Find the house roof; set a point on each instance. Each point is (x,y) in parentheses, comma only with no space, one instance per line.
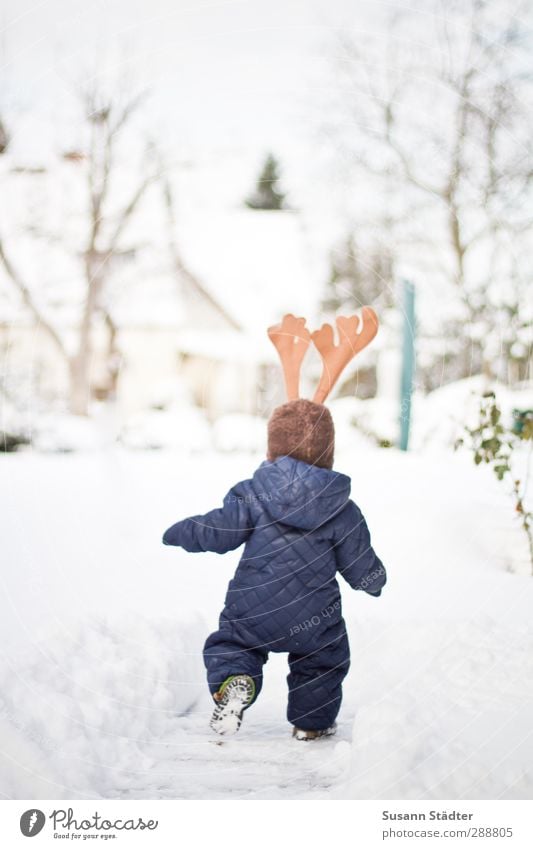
(257,264)
(237,270)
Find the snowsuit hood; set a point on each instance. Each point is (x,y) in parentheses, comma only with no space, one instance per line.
(299,495)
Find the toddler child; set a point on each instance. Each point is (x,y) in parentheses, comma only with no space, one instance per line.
(300,529)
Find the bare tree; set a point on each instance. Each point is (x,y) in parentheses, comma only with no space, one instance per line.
(107,120)
(440,120)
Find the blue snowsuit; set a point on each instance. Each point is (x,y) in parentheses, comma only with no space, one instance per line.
(300,528)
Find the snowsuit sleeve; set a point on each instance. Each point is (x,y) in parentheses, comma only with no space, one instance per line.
(219,530)
(357,561)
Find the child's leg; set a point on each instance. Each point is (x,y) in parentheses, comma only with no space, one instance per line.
(315,684)
(227,652)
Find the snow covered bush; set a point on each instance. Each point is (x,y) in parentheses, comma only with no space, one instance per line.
(178,427)
(502,448)
(63,433)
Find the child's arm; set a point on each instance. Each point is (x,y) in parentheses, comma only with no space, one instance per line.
(219,530)
(357,561)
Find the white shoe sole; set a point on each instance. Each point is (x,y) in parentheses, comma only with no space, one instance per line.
(236,696)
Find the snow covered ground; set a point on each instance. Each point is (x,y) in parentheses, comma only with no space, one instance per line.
(101,629)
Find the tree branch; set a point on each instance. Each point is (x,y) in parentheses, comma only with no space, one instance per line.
(27,298)
(128,211)
(179,265)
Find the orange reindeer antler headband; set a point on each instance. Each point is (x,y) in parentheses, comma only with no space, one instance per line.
(291,339)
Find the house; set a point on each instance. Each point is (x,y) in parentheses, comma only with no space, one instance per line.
(182,316)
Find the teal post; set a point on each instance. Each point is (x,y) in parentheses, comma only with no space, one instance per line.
(408,362)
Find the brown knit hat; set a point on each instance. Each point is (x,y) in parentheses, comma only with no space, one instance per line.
(303,430)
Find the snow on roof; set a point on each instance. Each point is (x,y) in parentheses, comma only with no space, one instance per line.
(257,264)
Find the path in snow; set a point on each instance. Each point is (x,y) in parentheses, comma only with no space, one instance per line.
(261,762)
(101,627)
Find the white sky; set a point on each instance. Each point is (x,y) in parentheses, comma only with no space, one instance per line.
(229,80)
(239,73)
(243,74)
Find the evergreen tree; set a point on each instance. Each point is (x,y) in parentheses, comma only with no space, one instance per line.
(267,194)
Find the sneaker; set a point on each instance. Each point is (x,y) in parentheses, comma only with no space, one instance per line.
(301,734)
(234,695)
